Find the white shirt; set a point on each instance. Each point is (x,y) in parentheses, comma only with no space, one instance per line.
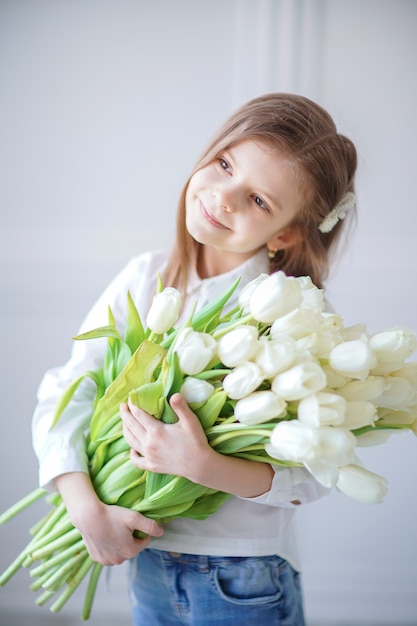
(242,526)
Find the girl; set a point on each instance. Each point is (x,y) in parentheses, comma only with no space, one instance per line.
(270,192)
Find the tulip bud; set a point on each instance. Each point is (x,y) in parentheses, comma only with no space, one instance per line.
(195,390)
(247,291)
(297,323)
(299,381)
(409,372)
(259,407)
(359,414)
(275,356)
(322,409)
(398,394)
(405,419)
(242,381)
(391,348)
(164,310)
(352,358)
(373,438)
(195,350)
(238,345)
(275,296)
(312,296)
(361,484)
(364,390)
(293,441)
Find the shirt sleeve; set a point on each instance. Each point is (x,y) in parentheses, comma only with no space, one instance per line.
(291,485)
(61,448)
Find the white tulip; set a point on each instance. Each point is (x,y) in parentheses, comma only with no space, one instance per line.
(247,291)
(243,380)
(274,356)
(293,441)
(361,484)
(398,394)
(321,450)
(334,380)
(195,350)
(357,331)
(319,344)
(195,390)
(275,296)
(391,348)
(373,438)
(365,390)
(299,381)
(395,418)
(238,345)
(352,358)
(259,407)
(164,310)
(312,296)
(359,414)
(322,409)
(336,446)
(409,372)
(297,323)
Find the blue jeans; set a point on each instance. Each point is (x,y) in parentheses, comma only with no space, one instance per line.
(167,588)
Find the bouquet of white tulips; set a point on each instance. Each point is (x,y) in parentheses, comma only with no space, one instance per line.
(276,380)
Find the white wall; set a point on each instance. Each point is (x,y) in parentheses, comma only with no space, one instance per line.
(105,106)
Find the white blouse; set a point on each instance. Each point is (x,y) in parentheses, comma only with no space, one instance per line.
(242,526)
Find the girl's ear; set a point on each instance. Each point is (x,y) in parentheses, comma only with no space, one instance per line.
(285,238)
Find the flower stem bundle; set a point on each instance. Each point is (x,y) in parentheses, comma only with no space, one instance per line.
(276,380)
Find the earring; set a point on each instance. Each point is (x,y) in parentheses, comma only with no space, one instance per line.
(272,253)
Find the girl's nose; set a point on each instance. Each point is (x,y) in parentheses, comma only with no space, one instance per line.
(224,198)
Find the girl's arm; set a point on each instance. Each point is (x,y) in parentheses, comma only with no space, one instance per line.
(107,530)
(182,449)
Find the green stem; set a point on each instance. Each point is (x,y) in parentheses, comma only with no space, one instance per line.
(207,374)
(61,574)
(13,568)
(62,555)
(369,429)
(73,584)
(91,590)
(22,504)
(56,544)
(44,597)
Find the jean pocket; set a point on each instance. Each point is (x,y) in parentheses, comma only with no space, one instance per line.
(250,581)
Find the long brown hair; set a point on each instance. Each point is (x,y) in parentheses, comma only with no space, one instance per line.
(325,163)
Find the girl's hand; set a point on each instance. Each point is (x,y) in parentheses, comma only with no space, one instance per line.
(165,448)
(107,530)
(182,449)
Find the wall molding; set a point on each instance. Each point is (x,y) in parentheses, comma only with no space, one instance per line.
(278,46)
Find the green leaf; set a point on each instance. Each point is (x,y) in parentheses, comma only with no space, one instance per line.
(138,370)
(135,333)
(99,333)
(148,397)
(69,392)
(210,411)
(212,310)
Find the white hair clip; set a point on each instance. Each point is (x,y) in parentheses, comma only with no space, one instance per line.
(338,213)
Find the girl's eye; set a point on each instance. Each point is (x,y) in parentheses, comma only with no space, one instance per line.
(261,204)
(224,164)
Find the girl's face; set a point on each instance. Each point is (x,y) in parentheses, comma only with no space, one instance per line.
(239,202)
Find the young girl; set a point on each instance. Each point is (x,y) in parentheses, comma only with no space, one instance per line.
(270,192)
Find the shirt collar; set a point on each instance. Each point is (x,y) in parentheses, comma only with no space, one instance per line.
(247,271)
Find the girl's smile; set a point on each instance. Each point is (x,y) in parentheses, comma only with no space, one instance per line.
(239,202)
(210,218)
